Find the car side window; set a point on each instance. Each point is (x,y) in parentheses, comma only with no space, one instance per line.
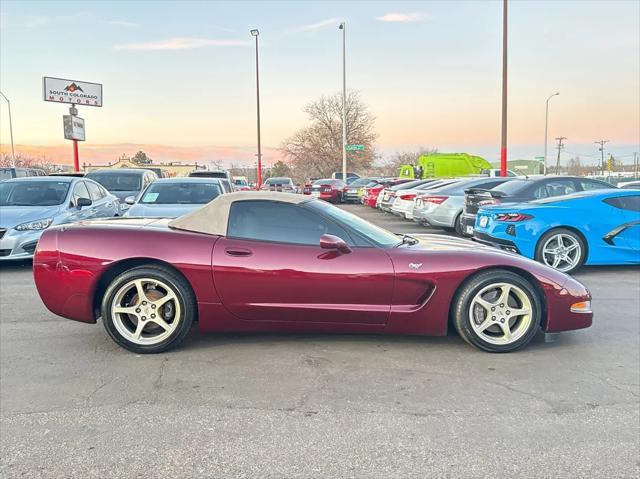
(559,188)
(280,222)
(588,185)
(79,191)
(94,191)
(629,203)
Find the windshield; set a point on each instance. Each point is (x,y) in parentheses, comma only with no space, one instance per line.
(5,174)
(378,235)
(240,182)
(189,193)
(323,182)
(33,193)
(409,184)
(277,181)
(118,181)
(512,186)
(360,182)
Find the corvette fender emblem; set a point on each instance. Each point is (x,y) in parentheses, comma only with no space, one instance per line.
(415,265)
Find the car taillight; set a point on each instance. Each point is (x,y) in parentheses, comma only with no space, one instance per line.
(512,217)
(408,197)
(346,188)
(492,201)
(434,199)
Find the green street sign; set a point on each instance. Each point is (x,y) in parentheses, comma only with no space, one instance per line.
(355,147)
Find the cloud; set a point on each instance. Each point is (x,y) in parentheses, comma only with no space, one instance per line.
(317,25)
(402,17)
(122,23)
(180,44)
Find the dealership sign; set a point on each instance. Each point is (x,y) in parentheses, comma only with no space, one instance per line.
(73,127)
(60,90)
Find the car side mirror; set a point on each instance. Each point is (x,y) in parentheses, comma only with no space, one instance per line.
(130,200)
(82,202)
(334,243)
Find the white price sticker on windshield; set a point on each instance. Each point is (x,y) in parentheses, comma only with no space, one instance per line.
(150,197)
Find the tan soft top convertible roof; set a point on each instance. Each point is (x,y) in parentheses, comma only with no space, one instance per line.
(212,218)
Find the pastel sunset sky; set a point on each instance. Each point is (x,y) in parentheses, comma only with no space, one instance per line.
(179,77)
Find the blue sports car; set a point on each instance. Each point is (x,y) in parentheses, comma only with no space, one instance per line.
(594,227)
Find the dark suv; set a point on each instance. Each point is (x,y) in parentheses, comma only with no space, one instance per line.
(519,190)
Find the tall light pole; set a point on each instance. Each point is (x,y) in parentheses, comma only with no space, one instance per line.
(13,151)
(255,33)
(546,126)
(344,101)
(503,140)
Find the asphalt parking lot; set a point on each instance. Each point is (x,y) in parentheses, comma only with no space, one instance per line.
(73,404)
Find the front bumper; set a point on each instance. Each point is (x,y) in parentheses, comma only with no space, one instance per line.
(17,245)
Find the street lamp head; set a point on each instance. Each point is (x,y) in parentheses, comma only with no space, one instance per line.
(341,26)
(556,93)
(254,32)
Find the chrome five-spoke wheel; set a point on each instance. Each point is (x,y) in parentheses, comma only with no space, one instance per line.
(500,313)
(148,309)
(561,249)
(561,252)
(145,311)
(497,310)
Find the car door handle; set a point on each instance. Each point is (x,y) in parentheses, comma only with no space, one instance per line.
(238,252)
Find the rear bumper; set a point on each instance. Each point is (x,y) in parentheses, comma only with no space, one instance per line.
(467,220)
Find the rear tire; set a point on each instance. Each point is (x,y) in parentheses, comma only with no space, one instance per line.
(497,311)
(563,248)
(148,309)
(457,225)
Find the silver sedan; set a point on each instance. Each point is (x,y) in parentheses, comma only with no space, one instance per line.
(442,207)
(28,206)
(173,197)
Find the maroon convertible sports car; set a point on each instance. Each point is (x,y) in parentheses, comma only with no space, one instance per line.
(251,261)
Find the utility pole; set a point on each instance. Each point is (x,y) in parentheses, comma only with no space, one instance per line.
(503,143)
(601,149)
(560,146)
(343,27)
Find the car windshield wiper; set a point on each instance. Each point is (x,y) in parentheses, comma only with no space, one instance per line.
(406,239)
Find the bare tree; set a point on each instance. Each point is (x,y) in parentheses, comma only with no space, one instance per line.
(27,162)
(316,151)
(574,167)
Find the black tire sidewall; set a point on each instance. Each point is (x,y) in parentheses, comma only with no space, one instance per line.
(462,320)
(185,298)
(555,231)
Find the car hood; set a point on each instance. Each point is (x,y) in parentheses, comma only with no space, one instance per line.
(121,195)
(160,211)
(431,242)
(11,216)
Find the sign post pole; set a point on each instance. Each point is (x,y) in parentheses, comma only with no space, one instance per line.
(76,158)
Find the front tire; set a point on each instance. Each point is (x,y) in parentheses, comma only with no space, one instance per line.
(561,249)
(148,309)
(497,311)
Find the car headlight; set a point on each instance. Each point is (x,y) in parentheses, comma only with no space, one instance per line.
(35,225)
